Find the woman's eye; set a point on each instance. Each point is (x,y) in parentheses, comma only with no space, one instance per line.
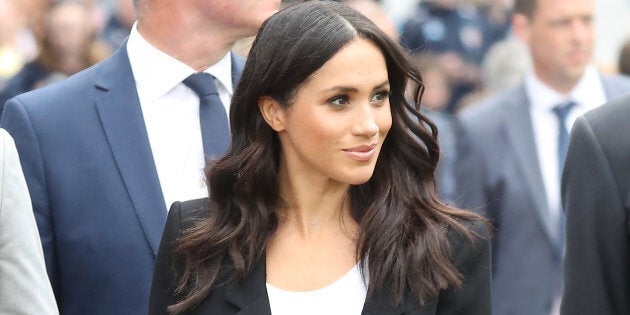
(340,100)
(380,96)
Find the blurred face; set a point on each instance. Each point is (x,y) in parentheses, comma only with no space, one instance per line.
(560,36)
(69,28)
(437,90)
(339,118)
(11,20)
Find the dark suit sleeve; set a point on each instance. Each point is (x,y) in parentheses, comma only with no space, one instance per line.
(16,121)
(473,261)
(596,265)
(164,280)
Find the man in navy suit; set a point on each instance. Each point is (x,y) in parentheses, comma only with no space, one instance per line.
(510,153)
(105,152)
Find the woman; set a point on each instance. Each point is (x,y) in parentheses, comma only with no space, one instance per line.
(24,285)
(326,201)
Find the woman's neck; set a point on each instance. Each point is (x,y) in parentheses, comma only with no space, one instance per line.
(313,206)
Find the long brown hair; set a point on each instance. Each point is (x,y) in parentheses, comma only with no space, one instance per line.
(403,227)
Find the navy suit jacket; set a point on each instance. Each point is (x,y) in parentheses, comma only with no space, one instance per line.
(498,173)
(249,297)
(94,187)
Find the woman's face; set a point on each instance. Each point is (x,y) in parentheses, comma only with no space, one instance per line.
(335,128)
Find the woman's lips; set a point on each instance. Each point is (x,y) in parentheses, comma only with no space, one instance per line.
(361,153)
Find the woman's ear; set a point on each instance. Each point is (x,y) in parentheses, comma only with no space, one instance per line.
(271,112)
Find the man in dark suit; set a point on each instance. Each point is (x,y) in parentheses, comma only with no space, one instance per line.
(511,149)
(105,152)
(596,198)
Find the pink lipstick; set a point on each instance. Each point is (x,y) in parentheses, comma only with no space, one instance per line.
(361,153)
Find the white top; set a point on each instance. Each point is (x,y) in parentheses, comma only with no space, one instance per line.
(587,94)
(171,116)
(345,296)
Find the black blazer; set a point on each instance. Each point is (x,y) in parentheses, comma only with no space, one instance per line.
(250,296)
(596,198)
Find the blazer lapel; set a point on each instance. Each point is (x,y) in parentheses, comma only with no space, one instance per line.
(251,298)
(251,295)
(121,117)
(380,303)
(521,136)
(377,305)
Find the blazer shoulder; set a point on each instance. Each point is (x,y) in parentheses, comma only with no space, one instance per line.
(186,213)
(465,249)
(615,109)
(608,123)
(615,84)
(73,90)
(489,112)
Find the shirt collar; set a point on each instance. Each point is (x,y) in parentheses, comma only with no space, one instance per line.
(588,92)
(222,71)
(156,73)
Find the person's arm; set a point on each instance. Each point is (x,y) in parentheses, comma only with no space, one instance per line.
(596,263)
(473,260)
(16,120)
(24,285)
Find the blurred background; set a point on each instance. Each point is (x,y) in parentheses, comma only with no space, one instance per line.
(465,46)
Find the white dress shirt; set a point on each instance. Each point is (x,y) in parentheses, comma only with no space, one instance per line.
(345,296)
(587,94)
(171,116)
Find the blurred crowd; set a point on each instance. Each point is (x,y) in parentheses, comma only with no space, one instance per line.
(43,41)
(476,60)
(466,47)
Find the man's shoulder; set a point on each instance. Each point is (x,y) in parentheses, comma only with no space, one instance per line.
(66,88)
(69,91)
(616,84)
(492,110)
(612,116)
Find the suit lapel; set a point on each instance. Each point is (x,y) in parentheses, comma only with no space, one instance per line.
(250,296)
(380,303)
(121,118)
(521,136)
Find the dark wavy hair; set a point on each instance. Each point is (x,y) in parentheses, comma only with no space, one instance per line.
(403,235)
